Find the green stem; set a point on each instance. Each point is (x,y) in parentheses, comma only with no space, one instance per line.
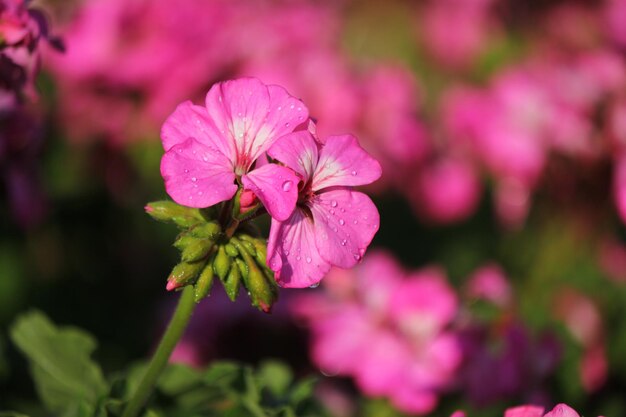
(160,358)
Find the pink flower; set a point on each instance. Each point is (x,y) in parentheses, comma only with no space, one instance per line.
(332,224)
(490,283)
(560,410)
(386,328)
(447,191)
(209,148)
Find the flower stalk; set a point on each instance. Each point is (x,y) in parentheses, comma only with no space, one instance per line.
(175,329)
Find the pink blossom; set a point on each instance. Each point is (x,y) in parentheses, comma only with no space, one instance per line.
(490,283)
(332,224)
(472,23)
(386,328)
(560,410)
(447,191)
(208,148)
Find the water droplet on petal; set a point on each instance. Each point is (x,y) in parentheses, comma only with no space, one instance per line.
(357,257)
(298,258)
(308,260)
(343,242)
(317,284)
(342,222)
(333,203)
(186,171)
(287,185)
(355,222)
(353,173)
(194,179)
(335,229)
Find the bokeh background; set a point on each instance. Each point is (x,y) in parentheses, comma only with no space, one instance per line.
(501,129)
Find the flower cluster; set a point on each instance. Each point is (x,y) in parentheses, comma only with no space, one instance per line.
(560,410)
(253,148)
(387,328)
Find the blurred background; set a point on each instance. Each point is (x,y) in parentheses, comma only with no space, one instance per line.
(501,129)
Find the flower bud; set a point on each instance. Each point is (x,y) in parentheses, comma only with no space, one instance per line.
(168,211)
(222,263)
(204,284)
(231,250)
(232,283)
(260,249)
(208,230)
(261,288)
(196,250)
(183,274)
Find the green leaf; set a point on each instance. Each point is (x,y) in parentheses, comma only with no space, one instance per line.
(178,379)
(67,380)
(275,376)
(11,414)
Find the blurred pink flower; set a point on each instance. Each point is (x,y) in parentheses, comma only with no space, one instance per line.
(386,328)
(331,225)
(207,148)
(135,61)
(560,410)
(615,16)
(447,191)
(473,23)
(491,284)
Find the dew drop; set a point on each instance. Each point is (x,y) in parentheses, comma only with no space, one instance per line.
(194,179)
(287,124)
(333,203)
(317,284)
(298,258)
(287,185)
(355,222)
(186,171)
(200,192)
(292,106)
(286,253)
(343,242)
(335,229)
(342,222)
(357,257)
(308,260)
(353,173)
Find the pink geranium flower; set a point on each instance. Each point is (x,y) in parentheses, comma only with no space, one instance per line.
(210,149)
(387,329)
(332,224)
(561,410)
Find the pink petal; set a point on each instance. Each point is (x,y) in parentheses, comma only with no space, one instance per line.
(524,411)
(253,116)
(238,109)
(191,121)
(561,410)
(298,151)
(343,162)
(292,254)
(414,401)
(196,175)
(345,223)
(285,113)
(276,187)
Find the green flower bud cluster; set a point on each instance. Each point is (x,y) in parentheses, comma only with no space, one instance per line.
(206,252)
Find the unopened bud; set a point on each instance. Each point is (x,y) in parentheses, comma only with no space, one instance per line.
(262,290)
(260,249)
(231,250)
(183,274)
(206,231)
(196,250)
(168,211)
(204,284)
(247,201)
(232,283)
(222,263)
